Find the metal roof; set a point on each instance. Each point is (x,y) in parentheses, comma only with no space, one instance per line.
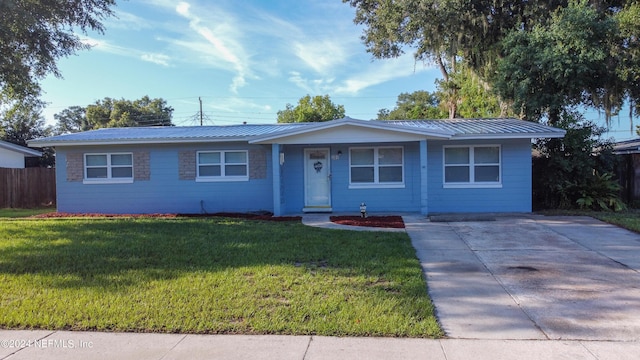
(627,147)
(19,149)
(164,134)
(453,128)
(486,128)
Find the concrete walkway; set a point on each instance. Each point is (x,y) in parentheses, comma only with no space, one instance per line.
(481,317)
(72,345)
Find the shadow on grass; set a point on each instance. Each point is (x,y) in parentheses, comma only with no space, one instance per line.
(123,255)
(93,250)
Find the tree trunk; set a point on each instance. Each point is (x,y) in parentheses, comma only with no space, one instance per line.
(554,116)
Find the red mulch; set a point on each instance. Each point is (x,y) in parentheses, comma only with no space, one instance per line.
(371,221)
(247,216)
(231,215)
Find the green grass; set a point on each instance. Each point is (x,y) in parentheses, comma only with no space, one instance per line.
(18,213)
(629,219)
(215,275)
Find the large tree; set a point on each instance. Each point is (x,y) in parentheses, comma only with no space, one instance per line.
(479,34)
(71,120)
(472,99)
(413,106)
(571,59)
(316,109)
(21,121)
(34,34)
(114,113)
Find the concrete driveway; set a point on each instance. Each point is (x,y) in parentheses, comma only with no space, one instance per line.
(532,277)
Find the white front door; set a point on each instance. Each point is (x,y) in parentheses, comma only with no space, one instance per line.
(317,180)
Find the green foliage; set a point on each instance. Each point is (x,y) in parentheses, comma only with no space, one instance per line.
(575,171)
(210,276)
(21,121)
(316,109)
(477,100)
(114,113)
(465,92)
(541,55)
(36,33)
(70,120)
(600,193)
(563,62)
(416,105)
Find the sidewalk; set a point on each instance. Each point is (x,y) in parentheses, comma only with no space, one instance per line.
(529,345)
(59,345)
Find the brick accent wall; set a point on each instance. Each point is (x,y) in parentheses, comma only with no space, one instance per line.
(141,166)
(187,165)
(257,164)
(75,166)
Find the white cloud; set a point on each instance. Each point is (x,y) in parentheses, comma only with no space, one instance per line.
(237,105)
(379,72)
(127,21)
(322,55)
(222,46)
(159,59)
(315,86)
(104,46)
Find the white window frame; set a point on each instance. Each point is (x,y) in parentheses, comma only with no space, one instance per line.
(222,176)
(376,169)
(472,183)
(109,179)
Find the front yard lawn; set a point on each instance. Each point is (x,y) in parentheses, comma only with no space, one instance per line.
(17,213)
(211,275)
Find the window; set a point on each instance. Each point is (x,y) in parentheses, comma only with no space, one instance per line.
(466,166)
(108,168)
(376,167)
(222,166)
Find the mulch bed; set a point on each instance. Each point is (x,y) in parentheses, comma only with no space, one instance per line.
(248,216)
(266,217)
(371,221)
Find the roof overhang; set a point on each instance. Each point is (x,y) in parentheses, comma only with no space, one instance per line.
(350,131)
(19,149)
(541,135)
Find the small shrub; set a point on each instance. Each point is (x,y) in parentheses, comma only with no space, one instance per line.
(600,193)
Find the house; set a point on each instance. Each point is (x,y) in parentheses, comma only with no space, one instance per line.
(13,156)
(427,167)
(629,168)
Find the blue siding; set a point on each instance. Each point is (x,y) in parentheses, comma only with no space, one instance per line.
(343,199)
(164,192)
(514,196)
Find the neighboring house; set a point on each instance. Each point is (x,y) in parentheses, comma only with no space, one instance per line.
(426,167)
(13,156)
(629,169)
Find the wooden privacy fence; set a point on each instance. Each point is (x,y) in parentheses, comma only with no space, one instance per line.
(27,188)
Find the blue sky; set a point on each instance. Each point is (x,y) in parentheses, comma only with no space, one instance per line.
(245,59)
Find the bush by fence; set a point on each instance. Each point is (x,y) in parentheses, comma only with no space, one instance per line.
(27,188)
